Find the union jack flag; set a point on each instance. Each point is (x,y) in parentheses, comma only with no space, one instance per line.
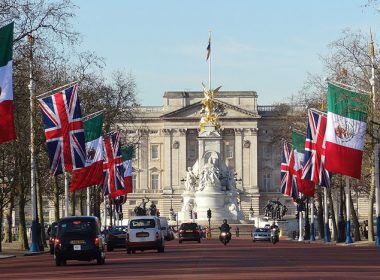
(64,133)
(113,170)
(315,146)
(289,185)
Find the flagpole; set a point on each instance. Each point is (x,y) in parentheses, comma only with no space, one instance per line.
(209,62)
(66,194)
(348,211)
(88,202)
(57,89)
(376,146)
(326,216)
(312,234)
(34,247)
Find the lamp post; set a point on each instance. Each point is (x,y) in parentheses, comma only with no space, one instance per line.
(251,211)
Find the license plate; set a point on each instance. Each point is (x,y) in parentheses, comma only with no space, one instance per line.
(77,247)
(74,242)
(120,236)
(142,234)
(189,230)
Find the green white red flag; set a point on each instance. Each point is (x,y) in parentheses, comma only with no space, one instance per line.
(345,130)
(92,173)
(304,186)
(127,152)
(7,128)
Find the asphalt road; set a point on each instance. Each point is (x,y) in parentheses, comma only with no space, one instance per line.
(241,259)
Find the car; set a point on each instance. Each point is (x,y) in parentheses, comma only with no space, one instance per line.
(165,228)
(189,232)
(79,238)
(51,232)
(116,237)
(145,233)
(261,234)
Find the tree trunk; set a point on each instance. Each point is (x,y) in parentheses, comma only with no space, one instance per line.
(8,218)
(23,237)
(1,226)
(332,211)
(56,199)
(321,224)
(82,200)
(341,223)
(371,200)
(42,237)
(73,202)
(355,221)
(97,203)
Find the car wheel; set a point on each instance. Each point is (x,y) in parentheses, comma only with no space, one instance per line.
(253,240)
(63,262)
(199,240)
(57,261)
(100,259)
(180,241)
(161,249)
(128,251)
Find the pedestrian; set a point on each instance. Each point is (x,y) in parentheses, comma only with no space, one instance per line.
(237,231)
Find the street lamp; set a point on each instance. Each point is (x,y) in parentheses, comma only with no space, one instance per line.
(251,211)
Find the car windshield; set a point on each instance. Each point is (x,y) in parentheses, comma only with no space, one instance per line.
(189,226)
(118,230)
(261,230)
(76,226)
(142,223)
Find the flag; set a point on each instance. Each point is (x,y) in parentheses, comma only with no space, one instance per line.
(208,47)
(288,185)
(92,173)
(304,186)
(127,164)
(345,131)
(7,127)
(113,173)
(315,146)
(64,133)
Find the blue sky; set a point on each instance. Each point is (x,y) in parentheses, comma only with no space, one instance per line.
(265,46)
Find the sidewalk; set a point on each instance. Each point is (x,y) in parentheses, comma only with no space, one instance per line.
(12,250)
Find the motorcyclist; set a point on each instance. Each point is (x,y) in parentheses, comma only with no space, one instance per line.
(225,227)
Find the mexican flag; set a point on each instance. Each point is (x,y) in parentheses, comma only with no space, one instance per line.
(304,186)
(345,131)
(7,128)
(127,152)
(92,173)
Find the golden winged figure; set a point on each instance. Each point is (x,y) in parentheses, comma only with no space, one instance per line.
(208,113)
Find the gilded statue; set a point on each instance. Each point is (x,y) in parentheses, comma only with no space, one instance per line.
(208,109)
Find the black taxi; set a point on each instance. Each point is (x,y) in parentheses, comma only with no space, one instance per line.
(79,238)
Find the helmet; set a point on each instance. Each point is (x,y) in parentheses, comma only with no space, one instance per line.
(225,221)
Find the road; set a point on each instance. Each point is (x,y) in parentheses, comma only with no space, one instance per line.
(241,259)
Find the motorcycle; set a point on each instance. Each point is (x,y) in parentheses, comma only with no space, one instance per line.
(225,237)
(274,237)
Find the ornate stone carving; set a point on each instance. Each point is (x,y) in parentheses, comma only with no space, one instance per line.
(175,145)
(247,144)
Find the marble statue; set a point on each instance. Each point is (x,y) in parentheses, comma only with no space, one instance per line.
(191,180)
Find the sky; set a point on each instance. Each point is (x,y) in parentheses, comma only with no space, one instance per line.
(263,46)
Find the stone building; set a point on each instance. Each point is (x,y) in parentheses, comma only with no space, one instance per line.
(167,145)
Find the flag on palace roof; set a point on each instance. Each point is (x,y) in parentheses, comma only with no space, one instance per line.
(64,133)
(304,186)
(345,130)
(289,185)
(113,170)
(315,148)
(7,128)
(208,47)
(92,173)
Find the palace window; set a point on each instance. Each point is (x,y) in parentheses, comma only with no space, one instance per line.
(267,181)
(154,151)
(229,151)
(134,182)
(154,181)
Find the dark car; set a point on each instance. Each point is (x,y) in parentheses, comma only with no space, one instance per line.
(79,238)
(52,231)
(189,232)
(116,236)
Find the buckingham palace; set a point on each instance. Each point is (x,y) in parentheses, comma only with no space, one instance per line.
(166,145)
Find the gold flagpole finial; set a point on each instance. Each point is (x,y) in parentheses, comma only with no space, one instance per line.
(371,46)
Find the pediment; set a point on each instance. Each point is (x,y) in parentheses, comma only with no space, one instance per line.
(227,111)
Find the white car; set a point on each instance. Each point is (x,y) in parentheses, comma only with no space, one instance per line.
(261,234)
(145,233)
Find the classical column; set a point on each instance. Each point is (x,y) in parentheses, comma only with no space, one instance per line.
(168,159)
(181,149)
(253,159)
(239,153)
